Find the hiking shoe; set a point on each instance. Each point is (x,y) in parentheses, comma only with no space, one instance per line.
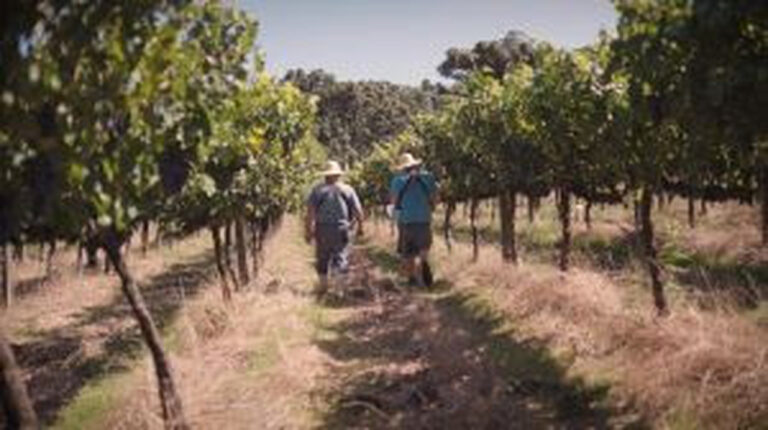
(319,294)
(321,289)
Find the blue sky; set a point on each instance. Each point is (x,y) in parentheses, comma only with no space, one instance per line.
(403,41)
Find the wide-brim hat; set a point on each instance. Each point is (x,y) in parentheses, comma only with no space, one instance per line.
(332,168)
(407,161)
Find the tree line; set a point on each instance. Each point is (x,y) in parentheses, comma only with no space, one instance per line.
(353,115)
(671,102)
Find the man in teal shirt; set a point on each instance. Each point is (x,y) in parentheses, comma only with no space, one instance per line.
(413,192)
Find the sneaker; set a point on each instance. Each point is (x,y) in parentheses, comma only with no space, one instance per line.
(319,293)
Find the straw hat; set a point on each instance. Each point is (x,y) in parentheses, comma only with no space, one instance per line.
(407,160)
(332,168)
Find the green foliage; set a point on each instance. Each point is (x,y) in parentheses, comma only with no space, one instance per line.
(648,56)
(450,155)
(728,75)
(482,141)
(262,153)
(669,104)
(696,78)
(165,114)
(354,116)
(571,106)
(496,57)
(372,176)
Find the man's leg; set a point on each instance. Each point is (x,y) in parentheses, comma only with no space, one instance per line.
(425,271)
(409,252)
(322,284)
(401,250)
(339,260)
(422,237)
(322,259)
(409,268)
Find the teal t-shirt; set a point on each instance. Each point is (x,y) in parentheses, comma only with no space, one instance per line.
(415,206)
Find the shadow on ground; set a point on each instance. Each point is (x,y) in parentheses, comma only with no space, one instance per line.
(714,283)
(103,340)
(28,287)
(444,360)
(605,253)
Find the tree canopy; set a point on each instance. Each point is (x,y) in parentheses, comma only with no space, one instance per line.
(354,116)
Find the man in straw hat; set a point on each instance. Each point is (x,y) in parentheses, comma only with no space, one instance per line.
(332,209)
(413,193)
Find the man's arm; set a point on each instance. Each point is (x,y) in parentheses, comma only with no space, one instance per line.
(434,195)
(359,214)
(309,217)
(393,191)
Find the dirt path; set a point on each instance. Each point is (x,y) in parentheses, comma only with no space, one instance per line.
(438,359)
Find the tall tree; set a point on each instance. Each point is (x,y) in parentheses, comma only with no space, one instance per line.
(353,116)
(496,57)
(122,95)
(571,107)
(457,162)
(726,95)
(652,63)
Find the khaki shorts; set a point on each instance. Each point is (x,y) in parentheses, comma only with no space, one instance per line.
(413,238)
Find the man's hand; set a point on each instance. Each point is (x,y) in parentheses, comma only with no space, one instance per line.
(360,230)
(309,224)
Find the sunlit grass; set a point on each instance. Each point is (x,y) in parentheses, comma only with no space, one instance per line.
(94,402)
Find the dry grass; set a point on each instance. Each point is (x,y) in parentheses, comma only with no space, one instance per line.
(255,373)
(708,365)
(76,329)
(272,360)
(41,305)
(695,369)
(719,264)
(413,359)
(248,365)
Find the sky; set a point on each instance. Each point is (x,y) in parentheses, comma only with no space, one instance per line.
(403,41)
